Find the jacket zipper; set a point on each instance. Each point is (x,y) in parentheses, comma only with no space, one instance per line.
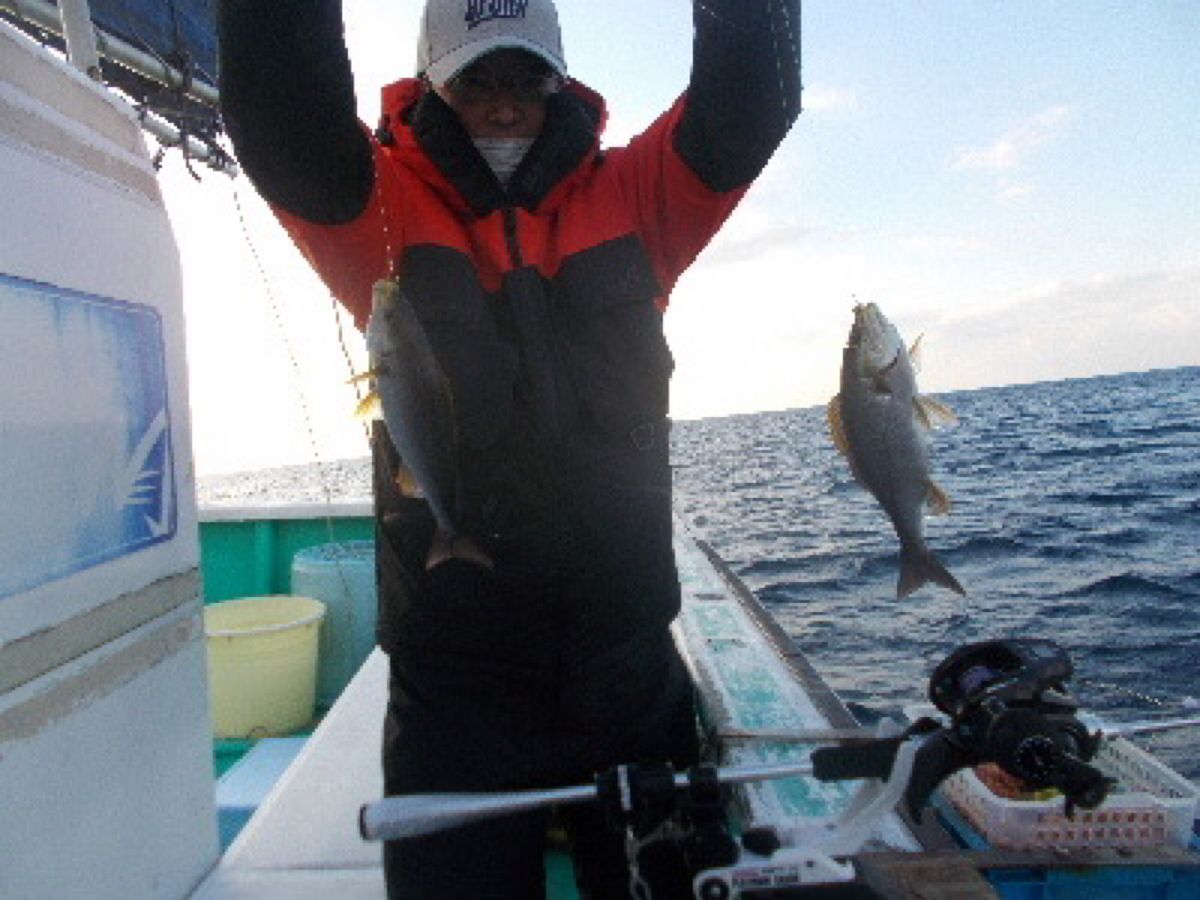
(511,238)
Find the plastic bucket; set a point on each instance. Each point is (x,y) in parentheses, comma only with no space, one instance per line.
(342,576)
(262,664)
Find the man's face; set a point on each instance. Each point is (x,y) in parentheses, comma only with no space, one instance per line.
(501,95)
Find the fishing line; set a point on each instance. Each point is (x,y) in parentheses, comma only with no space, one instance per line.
(339,324)
(1184,703)
(1130,692)
(277,315)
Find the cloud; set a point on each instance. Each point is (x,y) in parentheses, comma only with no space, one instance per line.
(769,335)
(753,243)
(1099,326)
(1011,149)
(1011,191)
(940,244)
(757,335)
(826,98)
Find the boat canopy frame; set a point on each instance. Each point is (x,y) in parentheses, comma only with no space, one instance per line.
(169,77)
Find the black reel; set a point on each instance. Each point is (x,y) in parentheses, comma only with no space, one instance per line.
(1008,704)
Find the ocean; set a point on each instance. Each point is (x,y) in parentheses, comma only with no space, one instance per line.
(1076,517)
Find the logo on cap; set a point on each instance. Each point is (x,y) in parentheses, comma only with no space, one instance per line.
(480,11)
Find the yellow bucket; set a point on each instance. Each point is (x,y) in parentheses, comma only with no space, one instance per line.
(262,664)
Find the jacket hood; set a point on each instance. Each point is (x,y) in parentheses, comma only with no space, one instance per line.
(430,140)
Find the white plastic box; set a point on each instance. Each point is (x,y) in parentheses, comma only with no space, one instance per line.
(1150,806)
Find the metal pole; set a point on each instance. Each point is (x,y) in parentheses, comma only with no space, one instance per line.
(46,16)
(169,136)
(80,36)
(85,45)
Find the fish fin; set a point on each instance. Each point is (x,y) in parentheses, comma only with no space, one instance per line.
(837,429)
(914,353)
(368,375)
(447,546)
(369,407)
(385,291)
(406,483)
(921,414)
(920,567)
(938,501)
(933,414)
(879,381)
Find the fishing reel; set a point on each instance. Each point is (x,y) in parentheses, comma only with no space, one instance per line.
(1008,704)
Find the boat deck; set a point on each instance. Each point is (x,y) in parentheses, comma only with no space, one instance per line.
(303,841)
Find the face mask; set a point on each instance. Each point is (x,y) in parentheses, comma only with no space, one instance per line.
(503,154)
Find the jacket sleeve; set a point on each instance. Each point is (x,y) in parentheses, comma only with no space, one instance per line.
(287,96)
(744,92)
(687,172)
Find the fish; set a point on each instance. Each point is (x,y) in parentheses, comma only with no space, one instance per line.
(881,424)
(413,396)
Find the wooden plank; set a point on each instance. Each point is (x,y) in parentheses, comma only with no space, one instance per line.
(946,876)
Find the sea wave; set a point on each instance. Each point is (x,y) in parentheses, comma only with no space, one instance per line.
(1126,584)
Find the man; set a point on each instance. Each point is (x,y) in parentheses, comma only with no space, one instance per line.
(539,265)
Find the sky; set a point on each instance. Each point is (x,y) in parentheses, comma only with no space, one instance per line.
(1017,181)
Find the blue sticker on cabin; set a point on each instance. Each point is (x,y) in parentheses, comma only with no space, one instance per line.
(85,438)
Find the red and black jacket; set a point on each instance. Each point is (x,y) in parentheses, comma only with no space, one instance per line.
(544,300)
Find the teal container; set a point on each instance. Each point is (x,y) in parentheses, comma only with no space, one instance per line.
(342,576)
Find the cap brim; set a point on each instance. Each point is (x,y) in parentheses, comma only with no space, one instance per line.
(458,59)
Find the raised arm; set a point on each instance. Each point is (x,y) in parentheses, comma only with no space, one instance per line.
(687,172)
(287,95)
(744,92)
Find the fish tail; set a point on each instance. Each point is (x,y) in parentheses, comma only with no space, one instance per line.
(447,546)
(919,567)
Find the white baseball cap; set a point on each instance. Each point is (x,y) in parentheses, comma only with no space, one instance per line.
(454,33)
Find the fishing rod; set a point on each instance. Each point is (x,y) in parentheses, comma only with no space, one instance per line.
(411,815)
(1006,702)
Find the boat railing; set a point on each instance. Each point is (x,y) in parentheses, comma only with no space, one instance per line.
(86,43)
